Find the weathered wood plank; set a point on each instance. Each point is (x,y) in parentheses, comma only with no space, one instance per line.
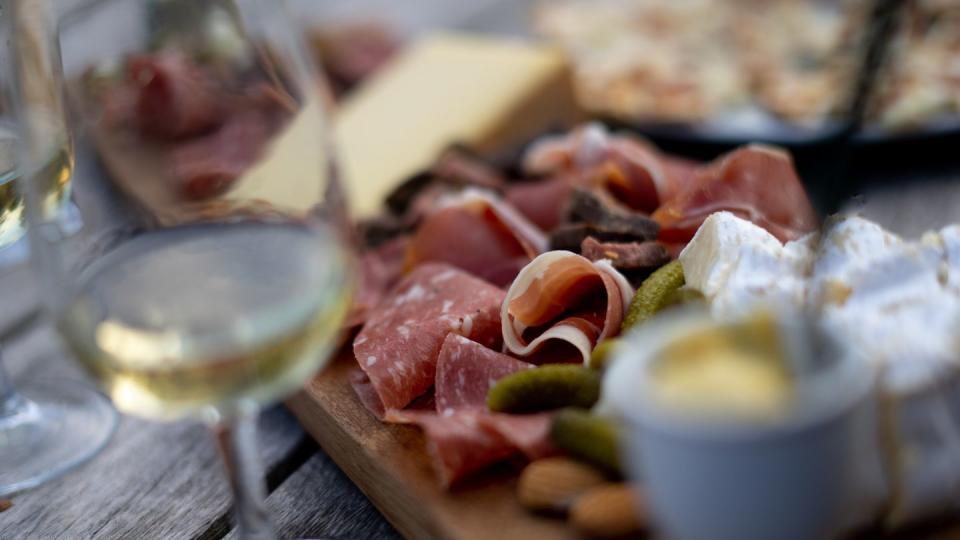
(153,480)
(319,501)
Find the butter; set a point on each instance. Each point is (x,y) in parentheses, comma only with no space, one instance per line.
(733,372)
(487,92)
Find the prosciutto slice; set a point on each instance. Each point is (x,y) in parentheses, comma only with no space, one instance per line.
(175,97)
(399,345)
(563,297)
(629,169)
(757,183)
(479,233)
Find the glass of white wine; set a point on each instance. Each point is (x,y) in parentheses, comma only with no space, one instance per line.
(210,115)
(47,426)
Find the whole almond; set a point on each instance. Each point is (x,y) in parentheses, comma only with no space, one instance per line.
(609,511)
(5,504)
(552,484)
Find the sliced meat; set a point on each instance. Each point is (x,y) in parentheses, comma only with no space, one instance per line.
(628,256)
(176,98)
(564,297)
(399,345)
(570,236)
(631,170)
(530,433)
(367,393)
(380,269)
(458,443)
(478,233)
(757,183)
(207,166)
(465,372)
(543,202)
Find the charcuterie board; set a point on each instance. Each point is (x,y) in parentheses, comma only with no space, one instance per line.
(389,464)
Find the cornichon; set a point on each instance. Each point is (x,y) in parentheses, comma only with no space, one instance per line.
(588,437)
(654,294)
(600,354)
(544,388)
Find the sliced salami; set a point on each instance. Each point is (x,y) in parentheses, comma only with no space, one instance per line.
(399,345)
(465,372)
(563,296)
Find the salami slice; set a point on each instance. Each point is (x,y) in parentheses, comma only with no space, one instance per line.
(399,345)
(479,233)
(458,443)
(563,296)
(465,372)
(380,269)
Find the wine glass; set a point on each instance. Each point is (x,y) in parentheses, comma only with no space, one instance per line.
(210,115)
(47,426)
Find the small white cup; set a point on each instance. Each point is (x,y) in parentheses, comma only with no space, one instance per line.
(806,476)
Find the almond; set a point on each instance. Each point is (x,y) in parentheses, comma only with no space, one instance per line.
(552,484)
(610,511)
(5,504)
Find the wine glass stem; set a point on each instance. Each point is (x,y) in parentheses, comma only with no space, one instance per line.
(236,437)
(10,401)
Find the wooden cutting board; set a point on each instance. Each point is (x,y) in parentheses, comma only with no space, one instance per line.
(390,465)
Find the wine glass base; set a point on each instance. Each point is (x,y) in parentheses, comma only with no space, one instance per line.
(58,425)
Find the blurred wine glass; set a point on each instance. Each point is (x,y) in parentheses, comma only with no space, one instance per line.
(46,426)
(210,114)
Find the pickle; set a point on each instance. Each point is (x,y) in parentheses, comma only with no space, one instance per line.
(544,388)
(683,295)
(654,293)
(600,354)
(588,437)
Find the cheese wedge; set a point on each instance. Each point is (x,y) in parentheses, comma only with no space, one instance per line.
(487,92)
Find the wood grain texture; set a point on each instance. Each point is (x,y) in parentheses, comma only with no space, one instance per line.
(319,501)
(390,465)
(153,480)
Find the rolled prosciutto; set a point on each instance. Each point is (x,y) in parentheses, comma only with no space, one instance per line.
(477,232)
(563,301)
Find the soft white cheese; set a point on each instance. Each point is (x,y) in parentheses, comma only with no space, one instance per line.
(895,301)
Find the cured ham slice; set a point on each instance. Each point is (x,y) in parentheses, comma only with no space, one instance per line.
(477,232)
(632,171)
(176,98)
(399,345)
(543,202)
(466,371)
(757,183)
(564,297)
(529,433)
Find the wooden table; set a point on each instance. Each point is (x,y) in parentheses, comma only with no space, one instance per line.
(165,481)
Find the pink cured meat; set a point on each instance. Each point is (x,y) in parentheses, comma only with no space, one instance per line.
(478,232)
(465,372)
(530,433)
(176,97)
(562,297)
(458,443)
(399,345)
(543,202)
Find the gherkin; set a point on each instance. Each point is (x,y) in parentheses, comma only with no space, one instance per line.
(655,293)
(588,437)
(600,354)
(544,388)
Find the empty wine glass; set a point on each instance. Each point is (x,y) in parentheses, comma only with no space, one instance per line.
(47,426)
(209,115)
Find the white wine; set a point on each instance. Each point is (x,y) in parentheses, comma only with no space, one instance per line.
(186,319)
(52,182)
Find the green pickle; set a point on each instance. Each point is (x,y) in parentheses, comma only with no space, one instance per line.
(655,293)
(601,353)
(544,388)
(588,437)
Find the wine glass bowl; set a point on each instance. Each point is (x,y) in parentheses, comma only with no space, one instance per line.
(210,116)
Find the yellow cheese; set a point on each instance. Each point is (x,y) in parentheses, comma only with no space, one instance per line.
(487,92)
